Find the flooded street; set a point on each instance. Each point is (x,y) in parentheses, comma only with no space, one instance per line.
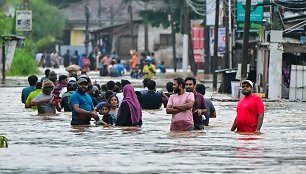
(40,144)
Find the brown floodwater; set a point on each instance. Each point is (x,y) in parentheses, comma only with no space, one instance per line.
(48,144)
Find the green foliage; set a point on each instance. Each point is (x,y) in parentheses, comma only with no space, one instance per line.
(47,20)
(5,24)
(160,16)
(62,3)
(24,63)
(277,26)
(47,43)
(3,141)
(154,19)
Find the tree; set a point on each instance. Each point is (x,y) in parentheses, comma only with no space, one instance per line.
(158,15)
(5,24)
(62,3)
(47,20)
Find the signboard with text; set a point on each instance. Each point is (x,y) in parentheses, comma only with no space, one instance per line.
(256,11)
(198,43)
(221,41)
(23,20)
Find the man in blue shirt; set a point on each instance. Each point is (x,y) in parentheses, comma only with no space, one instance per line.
(32,79)
(120,68)
(81,105)
(162,67)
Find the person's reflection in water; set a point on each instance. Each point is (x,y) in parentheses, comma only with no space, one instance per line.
(249,146)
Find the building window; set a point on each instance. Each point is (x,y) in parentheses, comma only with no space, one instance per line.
(165,40)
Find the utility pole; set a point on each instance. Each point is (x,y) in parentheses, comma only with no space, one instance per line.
(100,13)
(87,15)
(226,24)
(112,14)
(215,59)
(130,10)
(3,63)
(206,54)
(146,37)
(245,46)
(173,42)
(187,30)
(230,42)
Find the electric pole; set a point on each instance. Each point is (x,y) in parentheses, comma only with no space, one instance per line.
(130,10)
(215,59)
(245,46)
(206,54)
(87,15)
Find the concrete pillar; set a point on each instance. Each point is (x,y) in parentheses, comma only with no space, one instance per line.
(275,71)
(185,53)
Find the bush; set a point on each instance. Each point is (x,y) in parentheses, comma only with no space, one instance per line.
(23,64)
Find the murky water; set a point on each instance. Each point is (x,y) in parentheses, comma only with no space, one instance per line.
(49,144)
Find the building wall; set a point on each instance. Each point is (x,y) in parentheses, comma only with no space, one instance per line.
(159,42)
(77,37)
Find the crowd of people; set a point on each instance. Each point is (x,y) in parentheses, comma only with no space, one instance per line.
(119,104)
(108,64)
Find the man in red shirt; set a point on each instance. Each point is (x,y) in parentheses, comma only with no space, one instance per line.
(250,111)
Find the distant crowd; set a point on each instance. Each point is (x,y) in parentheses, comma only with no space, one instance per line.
(108,64)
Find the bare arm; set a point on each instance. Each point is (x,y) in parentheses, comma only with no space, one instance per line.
(185,106)
(171,110)
(234,126)
(85,114)
(38,102)
(259,122)
(213,115)
(28,105)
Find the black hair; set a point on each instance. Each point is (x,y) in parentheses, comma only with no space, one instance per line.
(110,85)
(104,87)
(151,84)
(105,104)
(108,94)
(180,81)
(119,85)
(61,78)
(169,86)
(47,71)
(145,82)
(116,89)
(200,88)
(124,82)
(38,85)
(191,78)
(32,79)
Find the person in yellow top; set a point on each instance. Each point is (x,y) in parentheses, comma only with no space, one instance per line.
(149,69)
(32,95)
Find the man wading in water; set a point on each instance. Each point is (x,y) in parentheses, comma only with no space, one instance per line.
(250,111)
(81,105)
(180,106)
